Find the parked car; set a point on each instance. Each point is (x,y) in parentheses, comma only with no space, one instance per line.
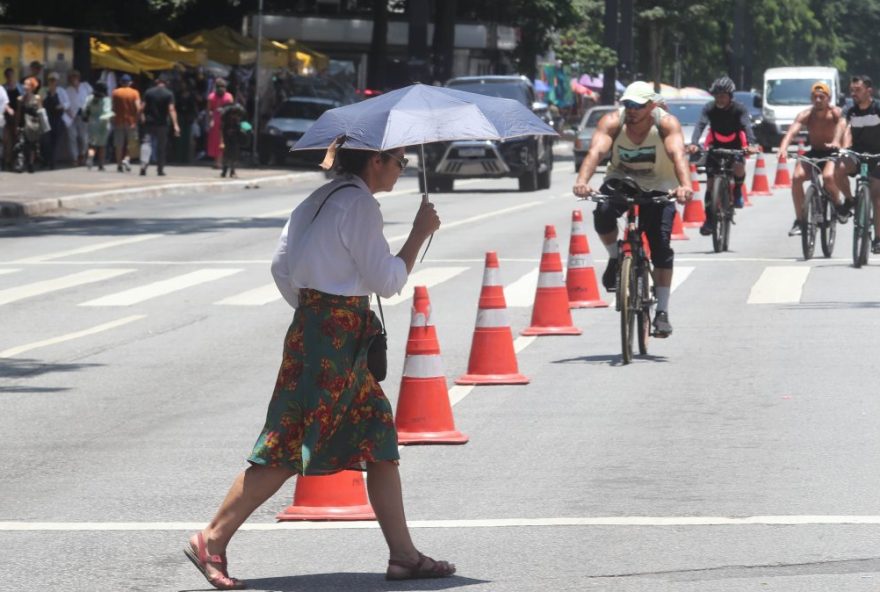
(529,159)
(289,122)
(688,112)
(584,133)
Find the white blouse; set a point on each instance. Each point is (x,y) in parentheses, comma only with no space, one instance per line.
(344,251)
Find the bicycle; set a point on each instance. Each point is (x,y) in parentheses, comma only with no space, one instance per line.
(722,202)
(863,220)
(819,213)
(635,293)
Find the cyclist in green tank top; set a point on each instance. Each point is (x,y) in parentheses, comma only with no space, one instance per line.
(646,144)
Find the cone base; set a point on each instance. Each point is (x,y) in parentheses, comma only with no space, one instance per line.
(782,187)
(692,224)
(491,379)
(292,513)
(551,331)
(448,437)
(753,192)
(681,236)
(587,304)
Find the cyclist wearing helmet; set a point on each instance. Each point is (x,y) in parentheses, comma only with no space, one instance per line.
(730,128)
(646,144)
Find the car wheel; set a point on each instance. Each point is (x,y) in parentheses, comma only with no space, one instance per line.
(436,184)
(529,181)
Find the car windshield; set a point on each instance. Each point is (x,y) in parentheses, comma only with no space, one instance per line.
(791,91)
(592,118)
(687,113)
(505,90)
(300,110)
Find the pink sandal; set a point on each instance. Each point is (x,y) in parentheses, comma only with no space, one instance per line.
(416,570)
(201,559)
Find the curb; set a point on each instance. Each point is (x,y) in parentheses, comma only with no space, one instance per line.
(12,209)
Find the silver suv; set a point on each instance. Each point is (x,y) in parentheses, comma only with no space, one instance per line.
(529,159)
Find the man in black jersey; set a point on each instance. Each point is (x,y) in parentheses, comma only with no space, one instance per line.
(859,130)
(731,128)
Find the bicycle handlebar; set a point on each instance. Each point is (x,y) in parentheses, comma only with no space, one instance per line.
(814,162)
(648,197)
(860,155)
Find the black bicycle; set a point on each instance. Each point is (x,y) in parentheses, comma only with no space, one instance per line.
(635,293)
(721,202)
(819,215)
(863,220)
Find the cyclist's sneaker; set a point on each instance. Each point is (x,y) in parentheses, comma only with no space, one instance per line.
(738,201)
(875,246)
(662,328)
(795,229)
(706,228)
(843,212)
(609,278)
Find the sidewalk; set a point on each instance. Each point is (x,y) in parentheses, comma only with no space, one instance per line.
(24,194)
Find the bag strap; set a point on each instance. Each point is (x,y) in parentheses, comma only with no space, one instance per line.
(381,314)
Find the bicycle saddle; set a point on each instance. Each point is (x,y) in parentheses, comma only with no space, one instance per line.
(625,186)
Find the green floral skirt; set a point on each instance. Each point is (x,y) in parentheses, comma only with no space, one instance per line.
(327,413)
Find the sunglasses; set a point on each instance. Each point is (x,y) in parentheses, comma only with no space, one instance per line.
(401,162)
(633,105)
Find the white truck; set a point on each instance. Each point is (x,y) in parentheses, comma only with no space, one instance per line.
(787,93)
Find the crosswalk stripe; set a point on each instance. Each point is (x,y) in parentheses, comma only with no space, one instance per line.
(14,351)
(160,288)
(2,271)
(779,285)
(89,248)
(256,297)
(430,276)
(521,293)
(680,275)
(68,281)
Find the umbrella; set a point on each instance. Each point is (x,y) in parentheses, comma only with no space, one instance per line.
(668,92)
(541,86)
(692,92)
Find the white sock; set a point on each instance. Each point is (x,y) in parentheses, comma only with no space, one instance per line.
(662,298)
(613,250)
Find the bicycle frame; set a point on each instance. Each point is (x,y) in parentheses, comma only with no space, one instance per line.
(863,223)
(722,203)
(817,209)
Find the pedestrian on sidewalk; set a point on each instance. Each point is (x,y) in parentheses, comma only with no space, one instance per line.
(4,105)
(28,121)
(77,130)
(13,91)
(55,102)
(230,122)
(328,413)
(126,104)
(217,100)
(157,109)
(98,114)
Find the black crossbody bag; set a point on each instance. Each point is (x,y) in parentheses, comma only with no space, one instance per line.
(377,350)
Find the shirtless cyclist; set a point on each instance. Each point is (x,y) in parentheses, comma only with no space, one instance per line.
(821,121)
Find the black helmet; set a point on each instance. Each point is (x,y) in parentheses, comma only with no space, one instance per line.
(722,85)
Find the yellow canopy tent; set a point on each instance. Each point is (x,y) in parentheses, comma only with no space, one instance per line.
(228,47)
(125,59)
(162,46)
(308,57)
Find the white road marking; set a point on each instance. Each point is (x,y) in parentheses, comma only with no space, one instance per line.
(256,297)
(90,248)
(458,392)
(68,281)
(2,271)
(779,285)
(622,521)
(473,219)
(521,293)
(679,275)
(160,288)
(14,351)
(523,341)
(429,276)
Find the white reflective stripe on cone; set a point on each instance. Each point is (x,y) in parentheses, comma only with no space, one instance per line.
(419,319)
(492,317)
(580,260)
(423,366)
(551,245)
(577,228)
(490,277)
(551,279)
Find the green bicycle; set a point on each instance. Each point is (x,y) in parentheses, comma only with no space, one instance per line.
(863,220)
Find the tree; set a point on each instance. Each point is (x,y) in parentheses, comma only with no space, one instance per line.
(578,43)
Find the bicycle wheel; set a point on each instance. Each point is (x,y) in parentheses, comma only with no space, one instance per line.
(828,226)
(719,191)
(860,227)
(625,293)
(643,316)
(809,224)
(866,232)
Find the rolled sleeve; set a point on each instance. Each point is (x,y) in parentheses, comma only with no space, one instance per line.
(280,270)
(361,233)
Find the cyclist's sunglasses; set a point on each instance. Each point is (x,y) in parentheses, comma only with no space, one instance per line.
(633,105)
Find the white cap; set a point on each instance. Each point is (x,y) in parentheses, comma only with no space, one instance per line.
(639,92)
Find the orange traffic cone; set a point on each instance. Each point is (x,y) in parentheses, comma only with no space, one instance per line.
(580,280)
(340,496)
(746,201)
(760,182)
(801,149)
(424,414)
(695,182)
(492,359)
(783,179)
(550,312)
(694,212)
(678,228)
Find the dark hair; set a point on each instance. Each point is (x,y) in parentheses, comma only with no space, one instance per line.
(866,80)
(8,71)
(352,162)
(100,89)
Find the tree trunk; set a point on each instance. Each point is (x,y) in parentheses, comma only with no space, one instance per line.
(444,39)
(378,58)
(417,64)
(610,75)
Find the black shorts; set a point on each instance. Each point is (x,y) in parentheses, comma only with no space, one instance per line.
(873,166)
(817,153)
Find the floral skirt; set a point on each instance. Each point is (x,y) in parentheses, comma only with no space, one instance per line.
(327,412)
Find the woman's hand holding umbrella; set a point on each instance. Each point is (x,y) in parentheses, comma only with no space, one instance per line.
(424,225)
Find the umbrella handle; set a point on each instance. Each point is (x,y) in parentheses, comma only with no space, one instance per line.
(428,246)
